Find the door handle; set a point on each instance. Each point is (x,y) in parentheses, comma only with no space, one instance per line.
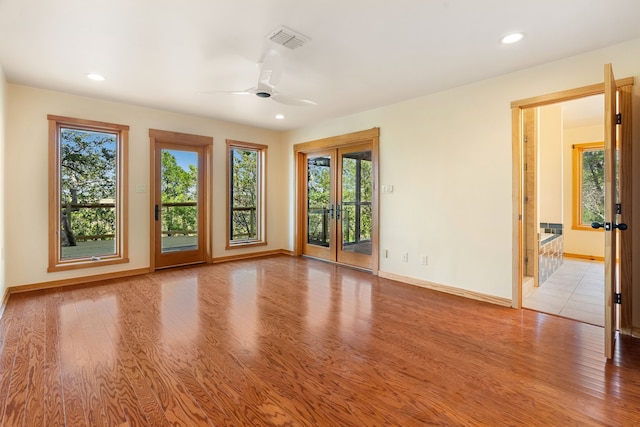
(337,211)
(331,212)
(157,212)
(608,226)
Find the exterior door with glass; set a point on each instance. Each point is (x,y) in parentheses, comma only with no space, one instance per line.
(339,205)
(179,222)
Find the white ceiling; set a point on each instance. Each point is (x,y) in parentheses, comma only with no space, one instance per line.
(363,54)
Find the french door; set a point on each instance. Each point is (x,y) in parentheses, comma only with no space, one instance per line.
(339,205)
(179,200)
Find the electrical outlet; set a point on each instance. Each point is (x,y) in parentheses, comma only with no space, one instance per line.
(423,259)
(405,257)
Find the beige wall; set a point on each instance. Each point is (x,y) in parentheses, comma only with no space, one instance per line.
(579,242)
(550,182)
(448,156)
(27,147)
(3,121)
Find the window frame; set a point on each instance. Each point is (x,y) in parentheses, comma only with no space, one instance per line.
(56,262)
(261,211)
(578,151)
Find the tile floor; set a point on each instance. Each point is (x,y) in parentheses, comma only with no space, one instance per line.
(575,290)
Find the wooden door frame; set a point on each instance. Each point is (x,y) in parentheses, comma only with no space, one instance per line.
(625,94)
(300,150)
(531,224)
(176,138)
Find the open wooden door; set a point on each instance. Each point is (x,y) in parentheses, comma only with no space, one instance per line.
(611,211)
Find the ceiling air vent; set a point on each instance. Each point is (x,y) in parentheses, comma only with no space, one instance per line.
(287,37)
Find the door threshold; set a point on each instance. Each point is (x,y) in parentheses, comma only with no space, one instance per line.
(355,267)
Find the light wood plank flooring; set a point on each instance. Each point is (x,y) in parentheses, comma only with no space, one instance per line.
(292,341)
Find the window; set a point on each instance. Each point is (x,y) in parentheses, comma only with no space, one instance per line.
(246,204)
(87,193)
(588,185)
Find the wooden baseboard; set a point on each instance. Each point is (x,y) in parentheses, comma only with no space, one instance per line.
(635,331)
(250,255)
(505,302)
(76,281)
(581,256)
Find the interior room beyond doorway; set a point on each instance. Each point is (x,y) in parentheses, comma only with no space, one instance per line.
(568,196)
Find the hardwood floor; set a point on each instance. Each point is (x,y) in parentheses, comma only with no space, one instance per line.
(292,341)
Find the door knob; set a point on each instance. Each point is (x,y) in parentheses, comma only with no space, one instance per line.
(622,226)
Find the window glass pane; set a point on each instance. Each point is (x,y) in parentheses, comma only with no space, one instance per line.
(356,202)
(88,193)
(592,186)
(179,188)
(244,195)
(319,200)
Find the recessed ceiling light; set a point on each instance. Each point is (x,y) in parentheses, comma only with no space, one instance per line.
(512,38)
(95,76)
(279,116)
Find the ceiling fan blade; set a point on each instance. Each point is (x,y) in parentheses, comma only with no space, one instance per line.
(250,91)
(287,100)
(270,70)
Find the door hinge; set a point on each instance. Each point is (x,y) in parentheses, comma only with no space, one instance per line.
(526,260)
(619,208)
(619,119)
(526,139)
(618,299)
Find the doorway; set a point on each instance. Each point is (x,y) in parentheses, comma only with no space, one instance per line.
(563,194)
(179,199)
(337,199)
(616,299)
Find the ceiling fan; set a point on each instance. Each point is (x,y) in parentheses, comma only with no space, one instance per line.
(268,78)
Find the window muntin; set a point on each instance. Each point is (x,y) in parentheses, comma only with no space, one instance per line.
(86,193)
(246,204)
